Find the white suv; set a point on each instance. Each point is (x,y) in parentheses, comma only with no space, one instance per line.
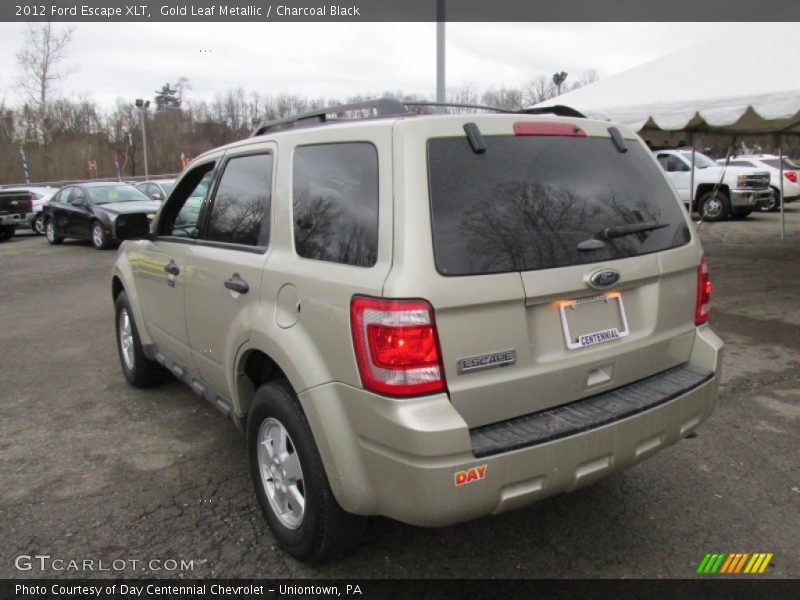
(771,163)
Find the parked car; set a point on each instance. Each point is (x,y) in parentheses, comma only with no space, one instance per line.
(771,163)
(430,318)
(156,189)
(90,211)
(718,192)
(21,207)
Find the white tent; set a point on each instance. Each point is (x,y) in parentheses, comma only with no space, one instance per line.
(736,91)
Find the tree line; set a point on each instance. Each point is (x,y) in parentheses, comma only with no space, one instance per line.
(57,137)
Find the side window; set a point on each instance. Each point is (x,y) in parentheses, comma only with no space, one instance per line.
(240,212)
(62,196)
(335,202)
(663,160)
(77,196)
(181,216)
(740,163)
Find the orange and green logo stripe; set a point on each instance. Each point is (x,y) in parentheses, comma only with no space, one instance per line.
(734,563)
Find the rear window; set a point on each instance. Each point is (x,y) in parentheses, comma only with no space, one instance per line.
(529,201)
(776,163)
(335,189)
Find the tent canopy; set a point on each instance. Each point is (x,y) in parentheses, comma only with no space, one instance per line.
(743,92)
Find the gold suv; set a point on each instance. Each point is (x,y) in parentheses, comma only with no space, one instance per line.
(426,317)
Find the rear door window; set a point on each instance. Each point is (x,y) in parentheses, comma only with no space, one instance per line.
(335,200)
(528,202)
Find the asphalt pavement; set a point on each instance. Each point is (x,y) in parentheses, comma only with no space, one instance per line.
(93,469)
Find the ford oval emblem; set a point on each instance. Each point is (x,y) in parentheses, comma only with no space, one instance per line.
(604,278)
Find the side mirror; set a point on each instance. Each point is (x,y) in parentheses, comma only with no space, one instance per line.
(79,203)
(158,196)
(132,227)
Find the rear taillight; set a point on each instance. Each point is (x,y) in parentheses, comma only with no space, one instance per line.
(791,176)
(702,310)
(397,349)
(548,129)
(30,203)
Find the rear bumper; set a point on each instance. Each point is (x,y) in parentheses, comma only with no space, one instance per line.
(417,461)
(18,220)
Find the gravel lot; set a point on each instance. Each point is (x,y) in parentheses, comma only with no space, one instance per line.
(91,468)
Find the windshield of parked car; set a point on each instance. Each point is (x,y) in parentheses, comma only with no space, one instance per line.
(107,194)
(529,202)
(701,161)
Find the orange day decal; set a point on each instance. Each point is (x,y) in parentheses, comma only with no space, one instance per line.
(470,475)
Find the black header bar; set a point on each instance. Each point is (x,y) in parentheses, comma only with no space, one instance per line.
(718,11)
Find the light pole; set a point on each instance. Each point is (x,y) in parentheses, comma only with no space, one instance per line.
(440,48)
(142,106)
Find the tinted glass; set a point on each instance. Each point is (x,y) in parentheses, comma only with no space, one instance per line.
(336,203)
(739,163)
(241,209)
(528,201)
(115,193)
(181,215)
(776,164)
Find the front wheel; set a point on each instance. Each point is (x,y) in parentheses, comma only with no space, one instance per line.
(715,206)
(99,236)
(50,233)
(290,481)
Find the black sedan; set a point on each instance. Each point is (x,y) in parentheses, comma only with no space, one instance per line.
(87,211)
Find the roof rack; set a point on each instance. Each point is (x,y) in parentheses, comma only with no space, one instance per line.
(382,107)
(389,107)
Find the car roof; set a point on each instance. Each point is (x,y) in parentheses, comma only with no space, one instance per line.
(93,184)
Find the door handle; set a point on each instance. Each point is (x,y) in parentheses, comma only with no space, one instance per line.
(172,268)
(237,284)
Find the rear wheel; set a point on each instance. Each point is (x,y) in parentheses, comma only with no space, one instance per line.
(715,206)
(38,225)
(6,233)
(290,481)
(140,371)
(774,204)
(50,233)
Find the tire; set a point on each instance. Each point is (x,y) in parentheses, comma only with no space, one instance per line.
(140,371)
(714,206)
(6,233)
(50,233)
(317,527)
(37,225)
(99,236)
(774,205)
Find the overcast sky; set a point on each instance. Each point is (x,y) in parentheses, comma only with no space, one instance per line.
(129,60)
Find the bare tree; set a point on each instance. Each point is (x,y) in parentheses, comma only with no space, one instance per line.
(41,67)
(558,81)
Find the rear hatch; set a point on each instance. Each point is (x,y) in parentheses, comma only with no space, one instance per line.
(566,262)
(15,203)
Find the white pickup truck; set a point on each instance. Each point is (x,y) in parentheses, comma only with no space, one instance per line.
(719,192)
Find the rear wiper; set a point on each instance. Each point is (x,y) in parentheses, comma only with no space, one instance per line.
(609,233)
(614,232)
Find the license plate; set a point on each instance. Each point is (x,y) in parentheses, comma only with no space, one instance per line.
(591,321)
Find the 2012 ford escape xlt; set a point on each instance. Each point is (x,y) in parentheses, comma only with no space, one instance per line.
(426,317)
